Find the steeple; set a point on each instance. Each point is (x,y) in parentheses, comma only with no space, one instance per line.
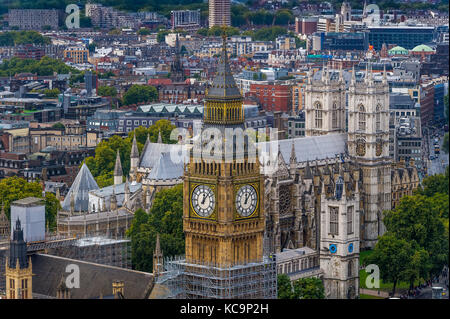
(176,69)
(118,170)
(159,137)
(134,159)
(134,148)
(4,224)
(157,258)
(384,81)
(18,249)
(224,100)
(127,193)
(353,82)
(293,158)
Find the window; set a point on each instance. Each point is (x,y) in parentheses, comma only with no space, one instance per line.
(350,269)
(318,114)
(136,122)
(378,119)
(144,122)
(334,116)
(350,220)
(361,118)
(334,220)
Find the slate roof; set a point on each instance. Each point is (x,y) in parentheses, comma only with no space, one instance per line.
(95,279)
(166,168)
(152,153)
(223,85)
(309,148)
(118,189)
(83,183)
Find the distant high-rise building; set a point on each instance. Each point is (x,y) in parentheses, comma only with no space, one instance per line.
(185,19)
(34,19)
(219,13)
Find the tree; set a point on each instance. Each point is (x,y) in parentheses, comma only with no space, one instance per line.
(417,220)
(144,31)
(308,288)
(58,125)
(140,93)
(418,267)
(45,66)
(283,17)
(165,218)
(15,188)
(107,91)
(102,165)
(434,184)
(52,93)
(284,287)
(161,35)
(393,256)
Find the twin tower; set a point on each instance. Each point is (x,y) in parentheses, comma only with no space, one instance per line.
(359,108)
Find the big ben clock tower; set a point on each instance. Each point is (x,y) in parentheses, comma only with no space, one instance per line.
(223,215)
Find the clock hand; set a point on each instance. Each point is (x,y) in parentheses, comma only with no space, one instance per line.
(246,199)
(203,199)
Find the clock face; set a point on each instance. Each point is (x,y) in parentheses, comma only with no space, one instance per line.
(360,147)
(379,147)
(246,200)
(203,200)
(350,248)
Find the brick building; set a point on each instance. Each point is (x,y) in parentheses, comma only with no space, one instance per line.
(272,97)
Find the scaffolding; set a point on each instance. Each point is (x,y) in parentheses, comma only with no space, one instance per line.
(256,280)
(98,249)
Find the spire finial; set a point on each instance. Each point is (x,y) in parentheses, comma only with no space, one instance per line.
(159,137)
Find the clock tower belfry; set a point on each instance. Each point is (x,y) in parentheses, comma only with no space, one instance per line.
(223,216)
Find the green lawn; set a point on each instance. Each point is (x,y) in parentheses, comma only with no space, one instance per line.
(363,296)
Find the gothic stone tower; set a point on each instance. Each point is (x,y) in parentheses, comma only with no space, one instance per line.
(325,105)
(18,267)
(223,217)
(368,144)
(339,251)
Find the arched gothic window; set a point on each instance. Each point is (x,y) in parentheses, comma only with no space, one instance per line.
(334,116)
(378,119)
(361,118)
(350,269)
(318,114)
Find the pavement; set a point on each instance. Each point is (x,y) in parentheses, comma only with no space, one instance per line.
(437,165)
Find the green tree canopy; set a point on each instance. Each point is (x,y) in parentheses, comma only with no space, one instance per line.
(52,93)
(58,125)
(392,255)
(15,188)
(22,37)
(165,218)
(102,164)
(107,91)
(303,288)
(140,93)
(45,66)
(308,288)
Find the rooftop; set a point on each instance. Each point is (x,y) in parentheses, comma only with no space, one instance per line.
(29,201)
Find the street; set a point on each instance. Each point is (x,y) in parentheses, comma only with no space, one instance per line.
(441,160)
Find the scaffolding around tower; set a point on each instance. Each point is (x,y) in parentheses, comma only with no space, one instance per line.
(254,280)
